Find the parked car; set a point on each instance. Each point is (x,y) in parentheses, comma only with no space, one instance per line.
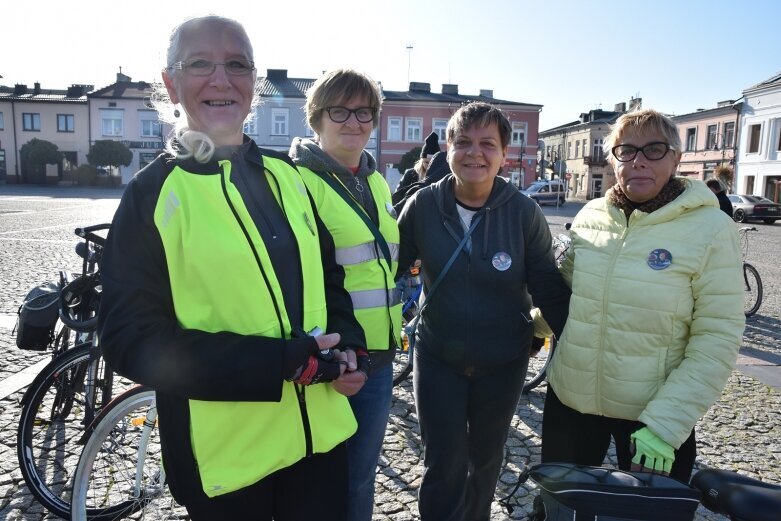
(546,192)
(754,208)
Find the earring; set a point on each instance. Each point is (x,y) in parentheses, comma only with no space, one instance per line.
(177,113)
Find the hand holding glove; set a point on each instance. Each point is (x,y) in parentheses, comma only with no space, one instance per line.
(651,453)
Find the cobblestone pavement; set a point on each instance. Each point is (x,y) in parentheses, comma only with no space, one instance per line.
(741,432)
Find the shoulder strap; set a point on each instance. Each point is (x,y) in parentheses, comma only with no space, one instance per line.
(340,189)
(442,273)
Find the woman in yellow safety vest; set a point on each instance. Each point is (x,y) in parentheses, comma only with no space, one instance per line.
(217,275)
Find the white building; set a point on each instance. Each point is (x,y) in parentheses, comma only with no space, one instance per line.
(759,149)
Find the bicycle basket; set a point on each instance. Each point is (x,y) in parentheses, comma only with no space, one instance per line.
(37,317)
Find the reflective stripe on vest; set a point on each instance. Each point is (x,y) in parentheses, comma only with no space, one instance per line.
(363,253)
(375,298)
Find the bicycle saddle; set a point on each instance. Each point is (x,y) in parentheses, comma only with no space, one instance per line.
(740,497)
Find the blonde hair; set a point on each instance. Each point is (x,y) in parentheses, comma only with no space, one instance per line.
(644,121)
(183,142)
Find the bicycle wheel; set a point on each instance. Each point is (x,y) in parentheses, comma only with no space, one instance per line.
(752,286)
(538,365)
(54,411)
(119,473)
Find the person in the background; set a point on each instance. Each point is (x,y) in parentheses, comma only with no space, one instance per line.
(475,332)
(656,316)
(353,199)
(216,271)
(418,171)
(721,194)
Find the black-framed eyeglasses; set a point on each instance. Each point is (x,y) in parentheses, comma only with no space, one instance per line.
(201,67)
(652,151)
(342,114)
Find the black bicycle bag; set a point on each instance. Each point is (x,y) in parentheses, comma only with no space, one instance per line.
(580,493)
(37,317)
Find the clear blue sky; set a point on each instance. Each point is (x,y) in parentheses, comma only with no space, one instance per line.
(570,56)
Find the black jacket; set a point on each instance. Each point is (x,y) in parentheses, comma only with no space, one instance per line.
(478,317)
(724,203)
(437,169)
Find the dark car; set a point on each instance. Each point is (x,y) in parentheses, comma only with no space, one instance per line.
(754,208)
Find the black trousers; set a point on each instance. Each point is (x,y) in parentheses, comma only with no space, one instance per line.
(463,422)
(569,436)
(313,488)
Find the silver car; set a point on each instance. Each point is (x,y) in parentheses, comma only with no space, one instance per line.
(754,208)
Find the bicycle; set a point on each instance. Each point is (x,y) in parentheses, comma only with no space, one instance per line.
(741,498)
(66,395)
(402,363)
(752,283)
(120,472)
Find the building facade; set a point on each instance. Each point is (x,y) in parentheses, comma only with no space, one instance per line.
(58,116)
(759,139)
(573,152)
(409,116)
(708,141)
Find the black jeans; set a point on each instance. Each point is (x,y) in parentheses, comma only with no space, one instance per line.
(463,423)
(312,488)
(569,436)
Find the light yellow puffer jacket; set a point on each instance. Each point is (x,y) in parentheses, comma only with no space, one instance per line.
(654,345)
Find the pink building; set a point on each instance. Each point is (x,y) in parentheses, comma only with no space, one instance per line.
(409,116)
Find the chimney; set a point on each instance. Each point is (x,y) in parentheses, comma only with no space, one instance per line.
(583,117)
(419,86)
(36,88)
(449,88)
(635,104)
(19,89)
(123,77)
(276,74)
(487,93)
(620,107)
(725,103)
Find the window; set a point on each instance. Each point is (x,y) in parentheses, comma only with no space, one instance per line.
(729,134)
(31,121)
(250,128)
(598,154)
(279,122)
(577,148)
(519,134)
(64,122)
(111,122)
(151,128)
(439,126)
(691,139)
(414,130)
(711,143)
(754,133)
(569,150)
(2,124)
(394,129)
(547,151)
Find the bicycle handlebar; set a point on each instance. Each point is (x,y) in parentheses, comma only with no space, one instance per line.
(88,233)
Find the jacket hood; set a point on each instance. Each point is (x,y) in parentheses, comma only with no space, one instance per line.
(444,195)
(307,153)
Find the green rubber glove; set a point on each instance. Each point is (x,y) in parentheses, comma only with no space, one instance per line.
(651,451)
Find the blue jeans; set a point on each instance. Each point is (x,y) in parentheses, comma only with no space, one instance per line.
(371,407)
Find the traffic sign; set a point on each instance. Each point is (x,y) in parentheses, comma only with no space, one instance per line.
(567,176)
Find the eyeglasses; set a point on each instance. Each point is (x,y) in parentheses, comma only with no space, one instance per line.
(652,151)
(342,114)
(201,67)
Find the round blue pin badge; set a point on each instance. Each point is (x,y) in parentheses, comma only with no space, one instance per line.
(501,261)
(660,259)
